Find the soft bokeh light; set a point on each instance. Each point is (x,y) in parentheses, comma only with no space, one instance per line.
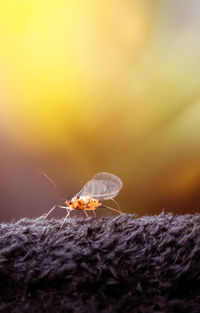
(90,86)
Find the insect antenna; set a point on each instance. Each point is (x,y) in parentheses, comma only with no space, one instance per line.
(53,183)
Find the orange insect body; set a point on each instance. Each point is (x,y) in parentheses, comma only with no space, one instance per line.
(83,203)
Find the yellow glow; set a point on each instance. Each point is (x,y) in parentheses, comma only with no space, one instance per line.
(59,58)
(103,86)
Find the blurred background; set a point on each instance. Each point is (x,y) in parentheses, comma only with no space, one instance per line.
(89,86)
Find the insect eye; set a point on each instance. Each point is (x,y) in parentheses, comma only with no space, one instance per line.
(70,202)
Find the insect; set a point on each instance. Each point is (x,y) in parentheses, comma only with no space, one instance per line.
(103,186)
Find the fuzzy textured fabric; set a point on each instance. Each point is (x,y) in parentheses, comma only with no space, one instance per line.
(122,264)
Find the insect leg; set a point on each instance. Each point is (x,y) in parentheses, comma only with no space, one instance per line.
(86,213)
(59,206)
(116,204)
(94,213)
(107,207)
(68,213)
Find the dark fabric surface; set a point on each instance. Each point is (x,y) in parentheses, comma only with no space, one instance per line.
(120,264)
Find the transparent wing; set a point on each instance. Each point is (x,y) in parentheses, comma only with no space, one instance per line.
(103,186)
